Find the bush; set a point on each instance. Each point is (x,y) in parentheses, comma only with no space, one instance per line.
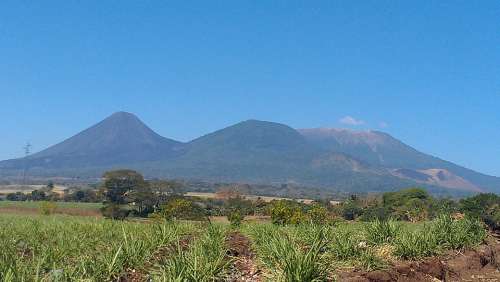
(183,209)
(47,208)
(235,217)
(114,211)
(318,214)
(286,212)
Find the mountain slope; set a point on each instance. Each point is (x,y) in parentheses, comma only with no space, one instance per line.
(267,152)
(255,152)
(380,149)
(119,139)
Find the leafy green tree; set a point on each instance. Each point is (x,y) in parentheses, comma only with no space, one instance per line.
(286,212)
(351,209)
(18,196)
(318,214)
(408,204)
(37,195)
(485,207)
(119,183)
(179,208)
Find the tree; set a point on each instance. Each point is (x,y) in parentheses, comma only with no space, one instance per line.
(351,209)
(119,187)
(485,207)
(37,195)
(18,196)
(180,208)
(118,183)
(317,214)
(408,204)
(286,212)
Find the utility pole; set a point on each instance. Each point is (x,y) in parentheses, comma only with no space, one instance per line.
(27,151)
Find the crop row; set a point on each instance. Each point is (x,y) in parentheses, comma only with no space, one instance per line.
(59,248)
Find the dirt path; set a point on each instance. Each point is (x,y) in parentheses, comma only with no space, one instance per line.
(244,267)
(481,264)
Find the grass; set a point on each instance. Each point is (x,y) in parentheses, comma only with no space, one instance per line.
(73,248)
(36,205)
(61,248)
(287,256)
(205,260)
(443,233)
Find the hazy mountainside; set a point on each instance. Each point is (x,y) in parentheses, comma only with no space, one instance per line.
(259,151)
(381,149)
(120,138)
(251,151)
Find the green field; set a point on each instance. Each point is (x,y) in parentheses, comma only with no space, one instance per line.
(72,248)
(36,205)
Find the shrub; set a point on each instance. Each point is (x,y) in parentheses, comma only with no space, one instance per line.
(235,217)
(286,212)
(114,211)
(179,208)
(318,214)
(47,208)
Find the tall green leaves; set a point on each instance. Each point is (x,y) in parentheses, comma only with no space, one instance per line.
(205,260)
(75,249)
(288,258)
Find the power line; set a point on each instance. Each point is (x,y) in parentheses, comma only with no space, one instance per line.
(27,152)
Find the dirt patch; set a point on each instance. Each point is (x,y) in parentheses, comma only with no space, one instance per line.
(240,251)
(480,264)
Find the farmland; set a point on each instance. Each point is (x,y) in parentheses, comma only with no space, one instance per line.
(68,208)
(75,248)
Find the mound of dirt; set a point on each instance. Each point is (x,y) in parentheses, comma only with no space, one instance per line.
(244,265)
(481,264)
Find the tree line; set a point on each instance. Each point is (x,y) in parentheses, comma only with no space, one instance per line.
(125,193)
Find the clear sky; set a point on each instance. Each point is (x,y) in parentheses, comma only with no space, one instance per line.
(427,72)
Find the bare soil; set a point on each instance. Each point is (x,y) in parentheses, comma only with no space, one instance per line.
(244,267)
(481,264)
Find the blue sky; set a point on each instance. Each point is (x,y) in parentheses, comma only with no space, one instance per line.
(427,72)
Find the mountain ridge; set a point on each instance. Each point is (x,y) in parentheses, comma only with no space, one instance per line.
(255,151)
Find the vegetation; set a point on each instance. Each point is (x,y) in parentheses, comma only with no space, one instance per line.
(204,260)
(75,249)
(151,230)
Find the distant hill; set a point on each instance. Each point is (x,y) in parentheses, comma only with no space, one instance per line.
(255,152)
(380,149)
(119,139)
